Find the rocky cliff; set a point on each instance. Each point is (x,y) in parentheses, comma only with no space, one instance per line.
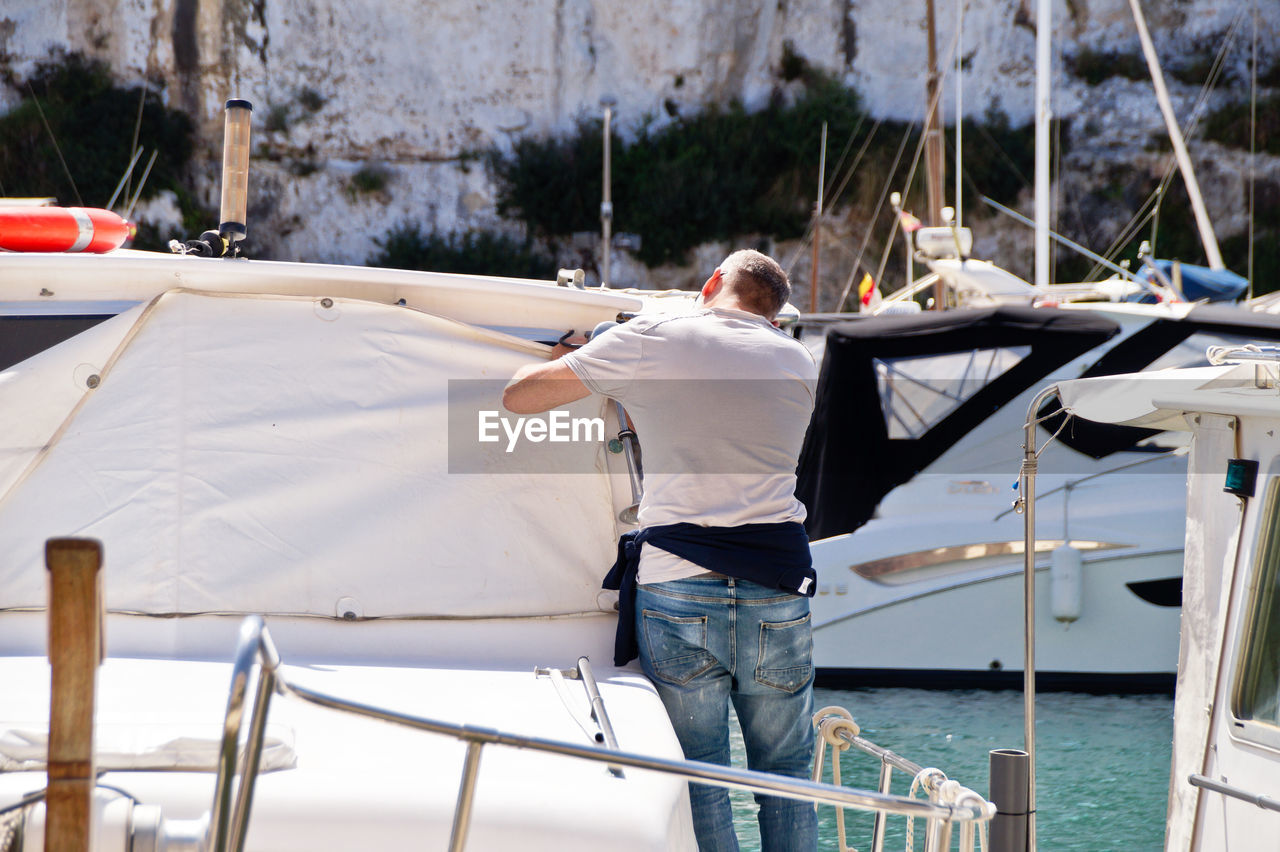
(405,91)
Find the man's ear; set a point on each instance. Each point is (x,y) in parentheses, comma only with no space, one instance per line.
(713,285)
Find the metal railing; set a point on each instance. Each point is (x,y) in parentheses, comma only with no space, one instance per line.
(837,728)
(229,822)
(1204,782)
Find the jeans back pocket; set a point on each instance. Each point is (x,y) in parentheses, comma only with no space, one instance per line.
(786,654)
(676,645)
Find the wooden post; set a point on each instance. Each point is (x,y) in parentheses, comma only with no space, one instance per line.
(75,652)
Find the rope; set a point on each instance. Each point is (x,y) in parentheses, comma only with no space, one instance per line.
(944,791)
(965,797)
(929,778)
(836,728)
(833,723)
(10,833)
(1061,426)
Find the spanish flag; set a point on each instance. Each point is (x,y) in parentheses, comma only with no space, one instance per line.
(867,292)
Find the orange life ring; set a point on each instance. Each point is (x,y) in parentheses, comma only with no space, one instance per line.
(89,229)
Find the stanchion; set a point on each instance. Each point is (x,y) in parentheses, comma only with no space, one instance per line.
(1008,832)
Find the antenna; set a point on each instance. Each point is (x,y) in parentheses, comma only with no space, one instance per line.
(137,155)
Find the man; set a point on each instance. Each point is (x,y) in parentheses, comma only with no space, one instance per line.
(721,400)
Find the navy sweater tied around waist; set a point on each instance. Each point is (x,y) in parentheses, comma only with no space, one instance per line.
(773,555)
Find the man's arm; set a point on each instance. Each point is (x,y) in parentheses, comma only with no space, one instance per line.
(541,387)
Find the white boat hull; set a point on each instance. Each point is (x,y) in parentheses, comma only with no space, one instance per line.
(349,782)
(940,604)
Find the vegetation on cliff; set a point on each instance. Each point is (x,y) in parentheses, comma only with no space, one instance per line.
(73,133)
(726,172)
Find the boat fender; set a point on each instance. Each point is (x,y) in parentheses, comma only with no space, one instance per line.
(1066,584)
(70,229)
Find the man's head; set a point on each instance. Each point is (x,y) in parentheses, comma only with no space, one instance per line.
(755,280)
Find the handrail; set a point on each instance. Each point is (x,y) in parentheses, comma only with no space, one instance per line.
(228,830)
(837,727)
(1217,355)
(705,773)
(884,755)
(598,711)
(1206,783)
(1027,502)
(228,825)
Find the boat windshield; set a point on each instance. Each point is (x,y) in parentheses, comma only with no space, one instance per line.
(918,392)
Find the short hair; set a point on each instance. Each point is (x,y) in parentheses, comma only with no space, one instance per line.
(757,280)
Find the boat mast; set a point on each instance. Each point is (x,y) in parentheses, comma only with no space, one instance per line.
(817,223)
(959,105)
(1044,20)
(606,205)
(1175,136)
(933,159)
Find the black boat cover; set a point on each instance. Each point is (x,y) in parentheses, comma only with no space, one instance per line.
(849,461)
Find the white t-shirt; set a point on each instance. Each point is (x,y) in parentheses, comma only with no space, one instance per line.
(721,401)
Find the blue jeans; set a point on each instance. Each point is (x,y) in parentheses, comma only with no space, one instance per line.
(707,641)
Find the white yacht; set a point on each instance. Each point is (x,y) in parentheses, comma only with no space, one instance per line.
(909,473)
(1224,790)
(346,604)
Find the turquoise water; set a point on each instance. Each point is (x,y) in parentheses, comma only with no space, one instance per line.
(1102,770)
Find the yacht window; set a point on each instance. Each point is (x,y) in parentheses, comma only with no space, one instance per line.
(1257,692)
(21,337)
(919,391)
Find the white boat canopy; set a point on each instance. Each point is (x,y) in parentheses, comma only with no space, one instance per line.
(1154,400)
(279,454)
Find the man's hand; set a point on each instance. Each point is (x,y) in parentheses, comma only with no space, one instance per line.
(568,342)
(541,387)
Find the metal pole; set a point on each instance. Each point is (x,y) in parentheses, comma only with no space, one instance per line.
(817,223)
(881,819)
(597,709)
(896,201)
(1175,136)
(1027,496)
(239,824)
(702,773)
(606,205)
(1044,25)
(935,164)
(466,797)
(959,106)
